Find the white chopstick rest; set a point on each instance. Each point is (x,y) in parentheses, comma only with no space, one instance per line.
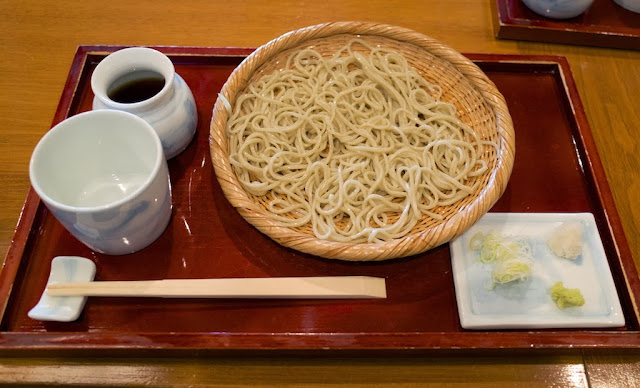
(68,308)
(70,283)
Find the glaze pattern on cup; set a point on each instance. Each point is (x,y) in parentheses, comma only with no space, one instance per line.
(182,117)
(558,9)
(125,229)
(171,112)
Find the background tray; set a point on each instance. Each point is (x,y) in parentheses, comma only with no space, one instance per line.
(604,24)
(556,170)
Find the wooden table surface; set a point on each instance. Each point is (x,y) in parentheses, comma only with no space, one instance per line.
(38,43)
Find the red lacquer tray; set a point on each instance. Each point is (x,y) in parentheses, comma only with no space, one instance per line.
(556,170)
(604,24)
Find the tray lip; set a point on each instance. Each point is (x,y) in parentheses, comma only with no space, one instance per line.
(463,340)
(507,26)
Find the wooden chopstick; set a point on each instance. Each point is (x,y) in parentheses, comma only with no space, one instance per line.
(328,287)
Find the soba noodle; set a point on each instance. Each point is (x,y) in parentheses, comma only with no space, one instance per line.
(358,145)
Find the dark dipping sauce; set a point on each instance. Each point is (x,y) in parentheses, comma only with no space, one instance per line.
(136,86)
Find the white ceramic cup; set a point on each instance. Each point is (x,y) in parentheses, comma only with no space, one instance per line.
(103,175)
(171,112)
(558,9)
(631,5)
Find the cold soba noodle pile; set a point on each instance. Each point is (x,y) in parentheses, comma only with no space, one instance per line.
(359,145)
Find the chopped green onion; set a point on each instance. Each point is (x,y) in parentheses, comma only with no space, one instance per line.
(512,259)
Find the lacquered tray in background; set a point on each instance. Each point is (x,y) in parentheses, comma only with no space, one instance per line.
(556,170)
(604,24)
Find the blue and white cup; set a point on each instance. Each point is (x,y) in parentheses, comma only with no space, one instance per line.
(171,109)
(104,176)
(558,9)
(631,5)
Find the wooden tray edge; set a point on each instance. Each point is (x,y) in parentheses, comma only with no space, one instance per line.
(599,180)
(467,341)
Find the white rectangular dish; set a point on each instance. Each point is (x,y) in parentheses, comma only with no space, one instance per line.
(528,304)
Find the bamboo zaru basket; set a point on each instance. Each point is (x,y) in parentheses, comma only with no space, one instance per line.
(478,103)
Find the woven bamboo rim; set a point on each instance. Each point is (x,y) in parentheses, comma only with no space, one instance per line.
(479,105)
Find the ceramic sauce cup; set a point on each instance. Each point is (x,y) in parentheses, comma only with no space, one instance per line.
(103,175)
(631,5)
(558,9)
(143,81)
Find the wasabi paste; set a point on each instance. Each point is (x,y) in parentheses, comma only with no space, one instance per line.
(566,297)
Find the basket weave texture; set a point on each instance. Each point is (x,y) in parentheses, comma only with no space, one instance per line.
(478,102)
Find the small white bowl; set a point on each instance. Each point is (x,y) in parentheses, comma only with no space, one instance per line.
(558,9)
